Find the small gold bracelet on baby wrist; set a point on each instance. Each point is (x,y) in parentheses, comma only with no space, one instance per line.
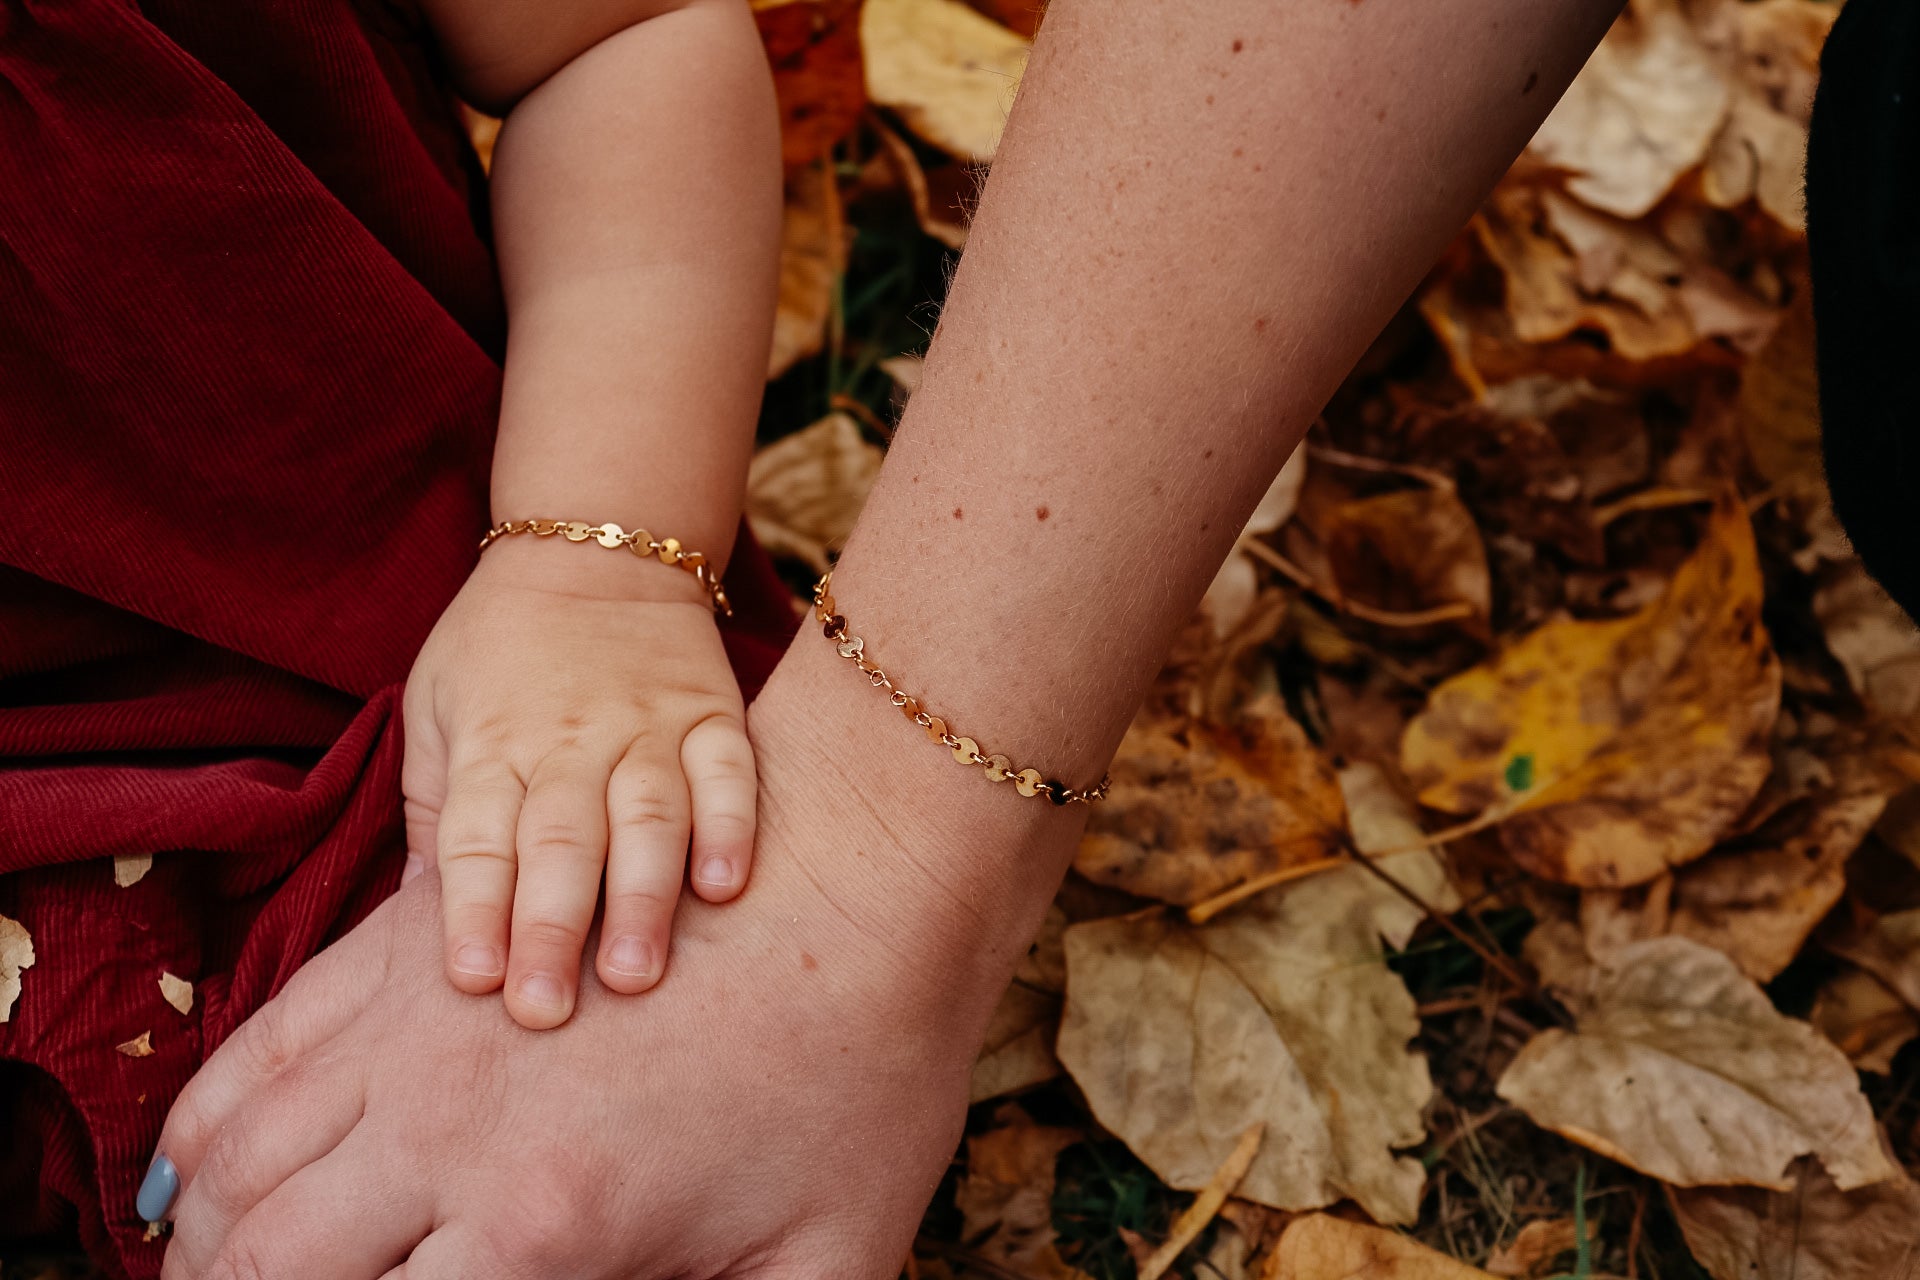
(640,542)
(1028,782)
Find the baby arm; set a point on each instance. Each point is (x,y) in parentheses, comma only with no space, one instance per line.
(573,718)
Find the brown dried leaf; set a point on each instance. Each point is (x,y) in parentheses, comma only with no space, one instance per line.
(130,868)
(947,70)
(1871,638)
(1811,1231)
(1411,551)
(814,49)
(1640,114)
(16,954)
(1865,1018)
(1196,809)
(1681,1068)
(1538,1245)
(1888,947)
(804,491)
(1283,1011)
(1773,49)
(141,1046)
(1006,1196)
(177,992)
(813,253)
(1613,749)
(1326,1248)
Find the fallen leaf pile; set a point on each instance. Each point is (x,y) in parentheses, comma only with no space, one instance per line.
(1516,869)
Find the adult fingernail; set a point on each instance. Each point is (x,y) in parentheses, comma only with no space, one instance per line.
(630,956)
(477,958)
(717,872)
(544,990)
(157,1191)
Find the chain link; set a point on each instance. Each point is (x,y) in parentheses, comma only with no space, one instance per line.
(613,537)
(1028,782)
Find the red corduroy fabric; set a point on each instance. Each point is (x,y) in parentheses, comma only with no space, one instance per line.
(249,330)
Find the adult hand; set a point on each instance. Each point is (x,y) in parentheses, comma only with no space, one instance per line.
(782,1105)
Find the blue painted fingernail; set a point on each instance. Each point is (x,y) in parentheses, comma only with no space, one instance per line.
(157,1191)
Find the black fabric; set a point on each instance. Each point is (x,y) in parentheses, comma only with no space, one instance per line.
(1863,226)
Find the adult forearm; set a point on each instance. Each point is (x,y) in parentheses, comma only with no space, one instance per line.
(1200,215)
(636,200)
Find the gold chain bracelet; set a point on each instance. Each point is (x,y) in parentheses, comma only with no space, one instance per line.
(1028,782)
(640,542)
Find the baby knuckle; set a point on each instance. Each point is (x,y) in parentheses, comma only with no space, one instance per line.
(560,837)
(643,811)
(242,1258)
(470,846)
(542,932)
(265,1042)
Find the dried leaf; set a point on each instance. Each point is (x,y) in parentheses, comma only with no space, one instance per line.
(805,491)
(1873,640)
(1230,597)
(1614,749)
(1640,114)
(1325,1248)
(813,253)
(1017,1052)
(1811,1231)
(1779,405)
(948,71)
(1888,947)
(1196,809)
(814,49)
(1865,1018)
(1006,1195)
(1759,154)
(130,868)
(1410,552)
(177,992)
(1280,1011)
(1535,1249)
(16,954)
(1680,1067)
(1194,1218)
(141,1046)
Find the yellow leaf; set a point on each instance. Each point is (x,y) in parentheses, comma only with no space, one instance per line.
(1640,114)
(1196,809)
(16,954)
(1324,1248)
(1813,1231)
(141,1046)
(1612,750)
(1681,1068)
(813,253)
(1281,1011)
(177,992)
(804,491)
(948,71)
(129,868)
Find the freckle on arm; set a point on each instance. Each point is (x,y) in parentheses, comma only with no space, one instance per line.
(1041,513)
(956,513)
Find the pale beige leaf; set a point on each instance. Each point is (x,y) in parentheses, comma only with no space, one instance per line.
(813,253)
(1681,1068)
(141,1046)
(947,70)
(16,954)
(1017,1052)
(177,992)
(1282,1011)
(1324,1248)
(1811,1231)
(1640,114)
(1865,1018)
(1874,641)
(1232,592)
(129,868)
(804,491)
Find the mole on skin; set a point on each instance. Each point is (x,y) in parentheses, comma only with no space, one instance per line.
(1041,513)
(1533,78)
(1238,45)
(956,513)
(808,962)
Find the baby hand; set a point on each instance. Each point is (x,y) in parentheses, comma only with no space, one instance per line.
(562,720)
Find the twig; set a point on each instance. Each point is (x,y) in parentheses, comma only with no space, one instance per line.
(1206,909)
(1633,1232)
(1332,595)
(1361,462)
(1650,500)
(1195,1217)
(1492,959)
(858,408)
